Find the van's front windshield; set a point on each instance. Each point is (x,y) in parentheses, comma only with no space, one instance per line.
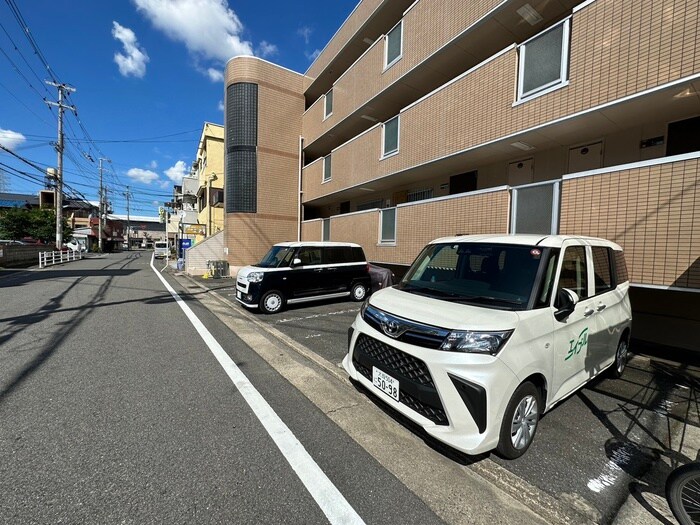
(483,274)
(278,256)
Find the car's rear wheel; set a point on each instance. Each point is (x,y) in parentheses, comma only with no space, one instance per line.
(272,302)
(358,292)
(519,421)
(621,358)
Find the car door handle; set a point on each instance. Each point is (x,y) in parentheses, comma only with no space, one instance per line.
(601,307)
(588,312)
(318,269)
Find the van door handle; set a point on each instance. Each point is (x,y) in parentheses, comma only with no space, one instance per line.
(318,269)
(601,307)
(588,312)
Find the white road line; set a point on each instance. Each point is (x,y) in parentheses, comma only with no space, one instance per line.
(327,496)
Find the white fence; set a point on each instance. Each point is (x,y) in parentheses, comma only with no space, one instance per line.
(50,258)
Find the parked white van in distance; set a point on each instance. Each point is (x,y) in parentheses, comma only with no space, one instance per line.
(487,332)
(160,249)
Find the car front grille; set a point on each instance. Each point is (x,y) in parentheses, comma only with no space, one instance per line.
(416,387)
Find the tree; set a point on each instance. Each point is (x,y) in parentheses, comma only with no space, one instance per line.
(39,224)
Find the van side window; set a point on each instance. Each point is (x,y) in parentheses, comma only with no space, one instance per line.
(358,255)
(310,255)
(620,268)
(602,272)
(573,271)
(337,254)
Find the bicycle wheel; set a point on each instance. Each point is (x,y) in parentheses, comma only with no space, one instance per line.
(683,493)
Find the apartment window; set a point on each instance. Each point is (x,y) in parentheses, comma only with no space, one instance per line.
(419,195)
(544,61)
(394,45)
(388,225)
(326,230)
(328,104)
(390,136)
(326,168)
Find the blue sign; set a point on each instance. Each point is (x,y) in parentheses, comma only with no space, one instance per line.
(183,245)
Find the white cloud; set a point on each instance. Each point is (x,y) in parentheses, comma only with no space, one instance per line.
(209,28)
(165,184)
(143,176)
(134,61)
(11,139)
(313,56)
(265,49)
(215,75)
(221,106)
(153,165)
(176,172)
(305,33)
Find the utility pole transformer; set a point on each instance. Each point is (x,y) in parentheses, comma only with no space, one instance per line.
(62,88)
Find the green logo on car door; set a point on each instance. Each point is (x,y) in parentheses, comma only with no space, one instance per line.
(576,345)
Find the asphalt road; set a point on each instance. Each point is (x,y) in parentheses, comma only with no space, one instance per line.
(612,441)
(114,410)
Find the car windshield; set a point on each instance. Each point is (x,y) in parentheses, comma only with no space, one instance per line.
(276,257)
(161,245)
(483,274)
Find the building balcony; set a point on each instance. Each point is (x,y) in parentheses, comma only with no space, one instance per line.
(622,74)
(439,41)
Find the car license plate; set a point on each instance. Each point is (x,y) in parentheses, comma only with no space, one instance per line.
(238,294)
(385,383)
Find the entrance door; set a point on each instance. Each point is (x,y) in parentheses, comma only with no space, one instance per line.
(521,172)
(587,157)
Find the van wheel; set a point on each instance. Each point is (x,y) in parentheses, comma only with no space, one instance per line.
(272,302)
(519,421)
(621,358)
(358,292)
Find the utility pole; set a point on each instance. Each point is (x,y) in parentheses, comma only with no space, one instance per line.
(102,207)
(128,218)
(59,150)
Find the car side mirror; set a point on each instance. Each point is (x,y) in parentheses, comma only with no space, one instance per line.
(296,261)
(565,303)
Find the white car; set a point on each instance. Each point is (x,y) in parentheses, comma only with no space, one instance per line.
(485,333)
(76,246)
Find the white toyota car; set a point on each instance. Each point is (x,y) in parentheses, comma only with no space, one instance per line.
(487,332)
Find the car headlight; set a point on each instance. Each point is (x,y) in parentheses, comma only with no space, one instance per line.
(475,342)
(363,307)
(255,277)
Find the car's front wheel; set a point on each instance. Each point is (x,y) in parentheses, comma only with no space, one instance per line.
(272,302)
(519,421)
(358,292)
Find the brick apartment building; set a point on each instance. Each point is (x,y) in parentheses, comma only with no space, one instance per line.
(427,118)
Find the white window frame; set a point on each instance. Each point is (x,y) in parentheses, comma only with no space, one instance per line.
(563,79)
(326,114)
(327,159)
(387,64)
(385,153)
(382,241)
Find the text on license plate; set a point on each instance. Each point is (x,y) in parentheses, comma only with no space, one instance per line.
(385,383)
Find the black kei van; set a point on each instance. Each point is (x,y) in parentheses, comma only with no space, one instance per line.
(296,272)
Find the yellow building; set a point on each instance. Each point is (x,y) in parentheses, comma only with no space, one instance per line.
(209,169)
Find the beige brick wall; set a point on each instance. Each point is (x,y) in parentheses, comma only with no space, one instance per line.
(280,107)
(353,23)
(650,211)
(311,230)
(418,224)
(619,47)
(427,27)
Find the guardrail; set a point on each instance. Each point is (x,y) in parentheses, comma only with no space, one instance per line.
(51,258)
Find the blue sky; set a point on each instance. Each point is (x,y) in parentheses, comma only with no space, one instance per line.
(147,74)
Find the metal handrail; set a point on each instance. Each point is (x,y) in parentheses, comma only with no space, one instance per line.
(58,257)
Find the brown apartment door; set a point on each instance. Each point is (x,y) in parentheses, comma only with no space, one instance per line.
(587,157)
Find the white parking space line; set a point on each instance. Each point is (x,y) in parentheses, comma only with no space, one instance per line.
(317,316)
(327,496)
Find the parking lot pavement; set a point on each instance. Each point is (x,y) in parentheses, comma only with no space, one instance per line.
(608,447)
